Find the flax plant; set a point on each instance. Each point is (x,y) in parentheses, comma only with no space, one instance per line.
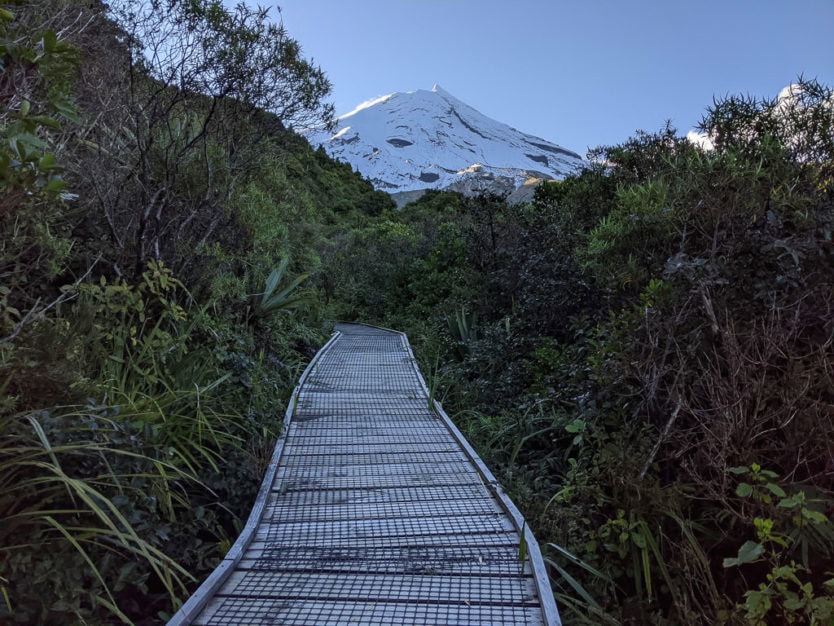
(280,293)
(49,499)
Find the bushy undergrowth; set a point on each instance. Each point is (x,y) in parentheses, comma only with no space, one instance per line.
(157,228)
(644,353)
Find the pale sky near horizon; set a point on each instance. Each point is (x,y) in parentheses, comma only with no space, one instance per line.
(578,73)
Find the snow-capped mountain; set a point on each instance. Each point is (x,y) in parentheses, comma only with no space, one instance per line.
(431,140)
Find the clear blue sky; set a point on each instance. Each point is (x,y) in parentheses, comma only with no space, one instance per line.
(580,72)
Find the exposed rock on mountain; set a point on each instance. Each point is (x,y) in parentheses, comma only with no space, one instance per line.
(405,142)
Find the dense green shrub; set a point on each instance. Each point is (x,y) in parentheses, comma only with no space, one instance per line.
(146,356)
(643,353)
(631,349)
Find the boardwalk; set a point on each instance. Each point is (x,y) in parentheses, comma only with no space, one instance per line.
(375,511)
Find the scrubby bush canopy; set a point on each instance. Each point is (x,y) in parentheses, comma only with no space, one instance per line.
(643,354)
(148,191)
(205,48)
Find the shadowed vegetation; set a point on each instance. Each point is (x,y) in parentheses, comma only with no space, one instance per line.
(158,222)
(644,355)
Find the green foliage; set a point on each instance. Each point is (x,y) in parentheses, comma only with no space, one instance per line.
(25,164)
(139,403)
(37,69)
(236,53)
(634,240)
(568,210)
(786,596)
(648,331)
(651,334)
(463,328)
(575,597)
(800,120)
(54,497)
(279,292)
(131,458)
(789,592)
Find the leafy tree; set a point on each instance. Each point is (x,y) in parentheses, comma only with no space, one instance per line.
(137,406)
(201,47)
(203,88)
(650,332)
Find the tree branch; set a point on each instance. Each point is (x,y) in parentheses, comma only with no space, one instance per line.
(35,313)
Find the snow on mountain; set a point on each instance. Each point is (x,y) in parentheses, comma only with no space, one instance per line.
(431,140)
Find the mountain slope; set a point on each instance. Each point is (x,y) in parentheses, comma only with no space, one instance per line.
(431,140)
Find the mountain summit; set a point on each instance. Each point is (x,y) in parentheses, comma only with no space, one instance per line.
(431,140)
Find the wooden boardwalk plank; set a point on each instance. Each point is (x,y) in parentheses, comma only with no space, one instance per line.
(375,510)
